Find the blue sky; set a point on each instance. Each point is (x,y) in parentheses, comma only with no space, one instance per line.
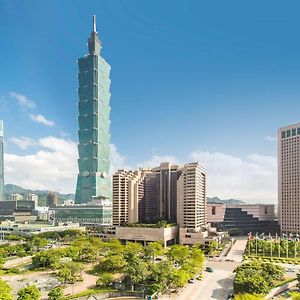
(190,80)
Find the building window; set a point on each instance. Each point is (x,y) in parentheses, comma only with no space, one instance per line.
(266,210)
(294,132)
(283,134)
(288,133)
(213,211)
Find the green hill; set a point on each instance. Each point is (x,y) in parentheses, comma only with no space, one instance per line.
(12,188)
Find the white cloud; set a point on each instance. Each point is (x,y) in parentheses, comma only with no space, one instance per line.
(117,160)
(54,167)
(270,138)
(252,179)
(42,120)
(23,142)
(23,100)
(156,160)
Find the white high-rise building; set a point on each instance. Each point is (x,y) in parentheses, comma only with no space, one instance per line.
(289,178)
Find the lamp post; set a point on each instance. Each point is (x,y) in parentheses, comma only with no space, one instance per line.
(271,244)
(256,237)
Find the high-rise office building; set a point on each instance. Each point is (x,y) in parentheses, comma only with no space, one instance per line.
(94,123)
(169,192)
(52,199)
(1,163)
(191,197)
(289,178)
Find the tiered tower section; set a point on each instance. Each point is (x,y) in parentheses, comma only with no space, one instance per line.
(94,123)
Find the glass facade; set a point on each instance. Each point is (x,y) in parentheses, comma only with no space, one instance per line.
(1,163)
(84,215)
(94,124)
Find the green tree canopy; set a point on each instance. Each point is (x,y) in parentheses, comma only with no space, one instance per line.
(5,291)
(56,294)
(30,292)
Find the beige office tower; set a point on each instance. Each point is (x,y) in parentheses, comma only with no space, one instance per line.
(169,192)
(289,178)
(128,191)
(191,197)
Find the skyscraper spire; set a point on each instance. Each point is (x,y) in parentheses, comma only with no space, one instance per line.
(94,23)
(94,43)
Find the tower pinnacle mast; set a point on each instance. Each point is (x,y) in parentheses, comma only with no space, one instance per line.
(94,23)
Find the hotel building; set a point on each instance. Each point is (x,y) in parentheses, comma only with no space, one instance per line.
(169,192)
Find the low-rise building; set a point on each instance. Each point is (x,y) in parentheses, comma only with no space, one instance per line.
(12,228)
(242,219)
(96,213)
(18,211)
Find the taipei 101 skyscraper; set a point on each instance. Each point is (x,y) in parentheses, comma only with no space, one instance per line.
(94,123)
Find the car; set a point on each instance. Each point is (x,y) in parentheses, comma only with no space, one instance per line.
(193,280)
(290,270)
(209,269)
(230,296)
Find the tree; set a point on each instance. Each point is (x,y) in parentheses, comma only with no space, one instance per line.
(30,292)
(178,254)
(295,295)
(154,249)
(213,246)
(250,281)
(247,297)
(136,271)
(161,273)
(180,278)
(65,275)
(112,263)
(105,280)
(5,291)
(56,294)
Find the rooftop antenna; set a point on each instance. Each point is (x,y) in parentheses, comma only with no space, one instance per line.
(94,23)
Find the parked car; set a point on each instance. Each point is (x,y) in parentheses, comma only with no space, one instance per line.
(230,296)
(193,280)
(209,269)
(290,270)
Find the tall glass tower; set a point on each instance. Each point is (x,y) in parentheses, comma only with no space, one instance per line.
(1,163)
(94,123)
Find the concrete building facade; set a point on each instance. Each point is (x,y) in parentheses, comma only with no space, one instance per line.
(242,219)
(52,199)
(32,197)
(168,192)
(289,178)
(17,211)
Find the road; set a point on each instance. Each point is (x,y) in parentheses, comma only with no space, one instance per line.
(218,284)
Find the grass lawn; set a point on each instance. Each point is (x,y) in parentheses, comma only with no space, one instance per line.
(96,290)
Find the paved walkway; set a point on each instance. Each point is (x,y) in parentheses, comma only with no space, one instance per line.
(15,262)
(237,250)
(89,281)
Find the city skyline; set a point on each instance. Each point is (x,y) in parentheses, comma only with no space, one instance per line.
(188,87)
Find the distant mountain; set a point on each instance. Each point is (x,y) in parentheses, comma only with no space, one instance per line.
(12,188)
(216,200)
